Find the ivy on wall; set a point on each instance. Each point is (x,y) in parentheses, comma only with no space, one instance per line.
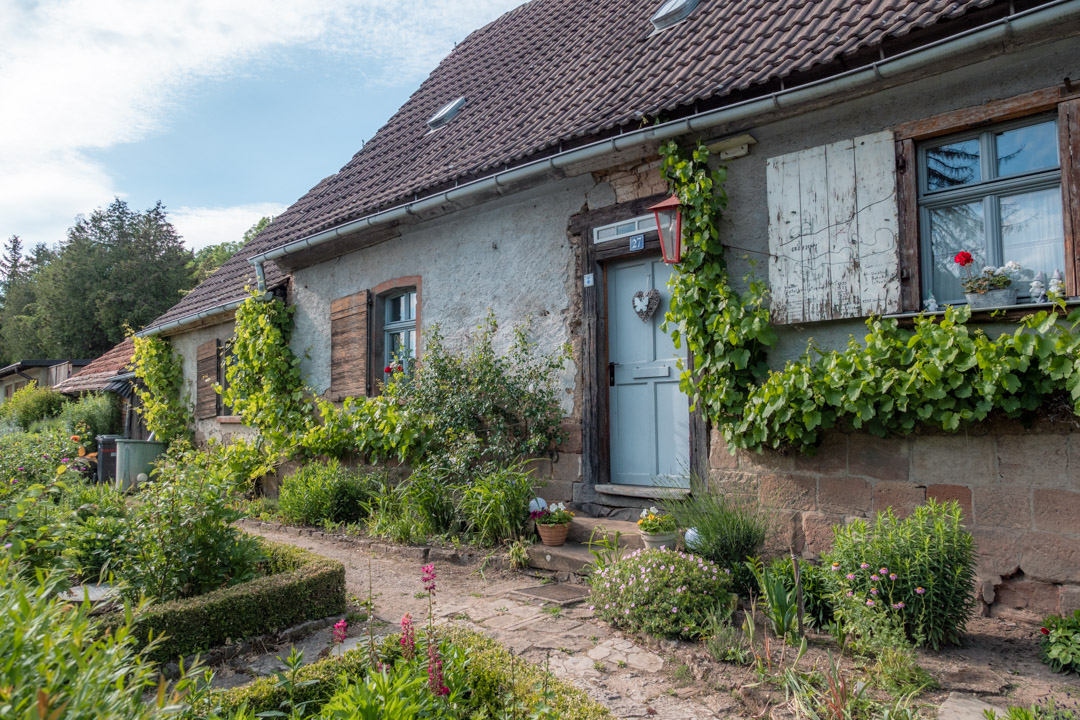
(161,379)
(942,374)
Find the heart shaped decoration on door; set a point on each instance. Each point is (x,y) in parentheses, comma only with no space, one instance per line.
(645,303)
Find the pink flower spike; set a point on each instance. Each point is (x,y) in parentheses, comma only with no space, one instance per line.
(341,627)
(429,577)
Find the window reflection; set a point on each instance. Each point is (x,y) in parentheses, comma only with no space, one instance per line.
(1027,149)
(953,164)
(952,229)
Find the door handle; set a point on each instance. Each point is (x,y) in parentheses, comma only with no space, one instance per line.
(611,374)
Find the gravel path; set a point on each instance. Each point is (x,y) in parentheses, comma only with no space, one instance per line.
(632,680)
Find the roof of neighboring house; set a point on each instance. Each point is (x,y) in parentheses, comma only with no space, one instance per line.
(28,364)
(100,372)
(555,74)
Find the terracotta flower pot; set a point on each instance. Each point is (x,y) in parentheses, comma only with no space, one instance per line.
(553,535)
(655,541)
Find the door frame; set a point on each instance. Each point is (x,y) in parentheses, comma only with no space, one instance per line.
(595,413)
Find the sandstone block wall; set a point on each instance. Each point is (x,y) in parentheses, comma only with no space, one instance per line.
(1019,489)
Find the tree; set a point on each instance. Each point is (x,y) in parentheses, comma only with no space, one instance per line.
(19,323)
(118,268)
(11,264)
(210,258)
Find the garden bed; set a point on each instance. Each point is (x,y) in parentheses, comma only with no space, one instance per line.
(300,586)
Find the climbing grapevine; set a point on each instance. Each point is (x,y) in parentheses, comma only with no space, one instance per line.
(726,332)
(161,379)
(264,384)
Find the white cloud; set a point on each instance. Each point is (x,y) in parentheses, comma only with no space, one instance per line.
(76,76)
(200,226)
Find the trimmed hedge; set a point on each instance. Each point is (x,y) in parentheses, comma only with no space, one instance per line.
(299,586)
(489,668)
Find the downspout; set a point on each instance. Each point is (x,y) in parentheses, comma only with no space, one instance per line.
(1000,29)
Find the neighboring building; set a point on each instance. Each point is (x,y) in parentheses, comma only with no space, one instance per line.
(46,373)
(111,372)
(866,143)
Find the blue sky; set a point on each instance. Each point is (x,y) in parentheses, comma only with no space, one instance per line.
(225,110)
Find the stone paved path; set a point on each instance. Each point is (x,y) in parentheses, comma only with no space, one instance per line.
(632,680)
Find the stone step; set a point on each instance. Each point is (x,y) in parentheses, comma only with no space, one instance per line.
(581,530)
(569,558)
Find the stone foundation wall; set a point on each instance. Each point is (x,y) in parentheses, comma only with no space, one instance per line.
(1019,489)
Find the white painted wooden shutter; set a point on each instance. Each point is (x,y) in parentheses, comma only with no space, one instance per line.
(833,231)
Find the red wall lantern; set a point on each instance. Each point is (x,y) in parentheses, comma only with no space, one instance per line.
(669,224)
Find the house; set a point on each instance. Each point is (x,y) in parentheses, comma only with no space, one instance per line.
(112,372)
(46,373)
(866,142)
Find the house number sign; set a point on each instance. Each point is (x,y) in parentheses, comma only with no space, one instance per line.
(637,242)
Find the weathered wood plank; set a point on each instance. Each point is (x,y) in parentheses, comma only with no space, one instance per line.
(206,376)
(1069,135)
(349,366)
(845,298)
(876,212)
(993,111)
(785,274)
(814,233)
(907,185)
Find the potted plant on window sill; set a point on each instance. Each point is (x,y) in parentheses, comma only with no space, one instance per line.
(992,288)
(553,523)
(658,529)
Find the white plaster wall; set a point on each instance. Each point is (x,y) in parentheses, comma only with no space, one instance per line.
(186,344)
(511,255)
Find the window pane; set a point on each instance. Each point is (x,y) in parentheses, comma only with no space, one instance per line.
(952,229)
(394,343)
(412,306)
(605,233)
(1032,233)
(393,309)
(1027,149)
(626,228)
(953,164)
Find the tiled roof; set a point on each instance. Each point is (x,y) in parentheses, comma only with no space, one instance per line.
(97,374)
(557,73)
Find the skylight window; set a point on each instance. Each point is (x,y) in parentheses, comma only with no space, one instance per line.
(672,12)
(447,113)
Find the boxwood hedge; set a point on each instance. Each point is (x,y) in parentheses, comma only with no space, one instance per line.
(492,673)
(298,586)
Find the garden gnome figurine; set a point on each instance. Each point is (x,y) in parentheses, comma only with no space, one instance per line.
(931,304)
(1038,289)
(1057,285)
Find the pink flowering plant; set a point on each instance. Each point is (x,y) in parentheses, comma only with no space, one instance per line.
(922,568)
(662,593)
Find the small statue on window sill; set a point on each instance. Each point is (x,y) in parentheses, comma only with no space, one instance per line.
(1037,289)
(931,304)
(1056,289)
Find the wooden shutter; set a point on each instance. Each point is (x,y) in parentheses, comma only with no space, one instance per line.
(1069,135)
(349,346)
(833,231)
(206,375)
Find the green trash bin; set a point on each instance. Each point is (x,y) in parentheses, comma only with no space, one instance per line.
(134,457)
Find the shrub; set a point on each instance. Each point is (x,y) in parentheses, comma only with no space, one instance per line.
(183,542)
(30,458)
(31,404)
(94,414)
(480,407)
(299,586)
(729,531)
(391,515)
(57,663)
(495,677)
(1060,642)
(321,491)
(817,589)
(430,493)
(660,592)
(932,558)
(495,507)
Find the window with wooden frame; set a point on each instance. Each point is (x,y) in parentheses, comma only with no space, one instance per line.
(1001,181)
(399,332)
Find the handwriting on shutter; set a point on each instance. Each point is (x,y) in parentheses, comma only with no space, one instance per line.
(833,231)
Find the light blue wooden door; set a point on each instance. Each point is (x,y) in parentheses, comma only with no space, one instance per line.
(650,416)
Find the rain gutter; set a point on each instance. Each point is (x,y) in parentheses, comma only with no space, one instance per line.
(197,317)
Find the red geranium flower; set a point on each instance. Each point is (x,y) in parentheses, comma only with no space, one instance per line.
(388,369)
(963,258)
(1044,631)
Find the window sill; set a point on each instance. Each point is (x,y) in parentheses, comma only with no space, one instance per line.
(230,420)
(649,492)
(1007,313)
